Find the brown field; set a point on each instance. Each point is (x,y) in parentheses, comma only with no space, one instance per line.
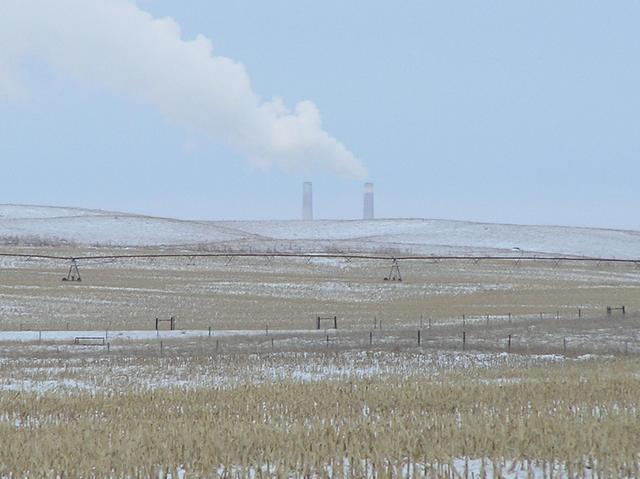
(536,388)
(289,293)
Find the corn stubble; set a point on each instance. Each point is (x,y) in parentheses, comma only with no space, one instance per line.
(582,417)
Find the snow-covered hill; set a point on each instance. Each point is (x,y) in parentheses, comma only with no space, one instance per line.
(92,227)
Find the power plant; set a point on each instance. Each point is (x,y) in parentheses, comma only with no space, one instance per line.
(368,202)
(307,201)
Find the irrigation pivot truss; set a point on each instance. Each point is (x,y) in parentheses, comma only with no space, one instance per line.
(74,274)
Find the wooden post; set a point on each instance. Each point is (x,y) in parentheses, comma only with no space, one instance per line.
(209,331)
(318,322)
(161,352)
(335,322)
(39,335)
(217,344)
(624,311)
(541,315)
(464,320)
(418,337)
(579,312)
(464,340)
(156,324)
(370,338)
(108,347)
(327,340)
(429,323)
(564,345)
(272,343)
(509,345)
(266,329)
(557,315)
(487,320)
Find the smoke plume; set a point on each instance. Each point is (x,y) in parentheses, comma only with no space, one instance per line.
(113,44)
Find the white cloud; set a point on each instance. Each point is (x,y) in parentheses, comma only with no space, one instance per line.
(113,44)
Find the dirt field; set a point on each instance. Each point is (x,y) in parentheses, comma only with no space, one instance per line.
(289,293)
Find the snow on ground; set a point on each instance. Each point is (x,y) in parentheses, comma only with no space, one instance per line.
(91,370)
(44,212)
(139,335)
(421,236)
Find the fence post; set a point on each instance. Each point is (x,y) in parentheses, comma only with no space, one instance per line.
(156,324)
(429,323)
(564,345)
(217,344)
(266,329)
(464,340)
(161,348)
(418,337)
(271,343)
(209,331)
(579,312)
(335,322)
(464,320)
(327,340)
(370,338)
(509,345)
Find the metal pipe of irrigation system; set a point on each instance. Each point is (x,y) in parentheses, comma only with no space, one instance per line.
(353,256)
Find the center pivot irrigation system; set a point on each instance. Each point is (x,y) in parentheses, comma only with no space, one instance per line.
(394,274)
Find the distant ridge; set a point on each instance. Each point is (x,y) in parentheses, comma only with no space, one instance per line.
(29,224)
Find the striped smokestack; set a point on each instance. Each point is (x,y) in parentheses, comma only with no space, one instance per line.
(368,201)
(307,201)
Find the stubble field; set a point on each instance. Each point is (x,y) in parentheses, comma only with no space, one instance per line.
(463,369)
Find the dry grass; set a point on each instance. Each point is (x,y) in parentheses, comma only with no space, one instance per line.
(287,293)
(578,415)
(291,404)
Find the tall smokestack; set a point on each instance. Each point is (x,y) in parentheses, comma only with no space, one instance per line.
(368,201)
(307,201)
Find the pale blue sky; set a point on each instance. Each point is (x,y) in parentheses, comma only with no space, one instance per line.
(519,112)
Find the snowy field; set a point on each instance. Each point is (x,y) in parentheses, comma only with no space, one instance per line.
(91,227)
(464,369)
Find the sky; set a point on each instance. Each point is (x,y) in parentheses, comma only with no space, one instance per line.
(511,112)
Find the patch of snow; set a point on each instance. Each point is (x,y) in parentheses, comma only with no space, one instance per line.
(419,236)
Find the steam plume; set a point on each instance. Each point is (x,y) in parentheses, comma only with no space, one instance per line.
(115,45)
